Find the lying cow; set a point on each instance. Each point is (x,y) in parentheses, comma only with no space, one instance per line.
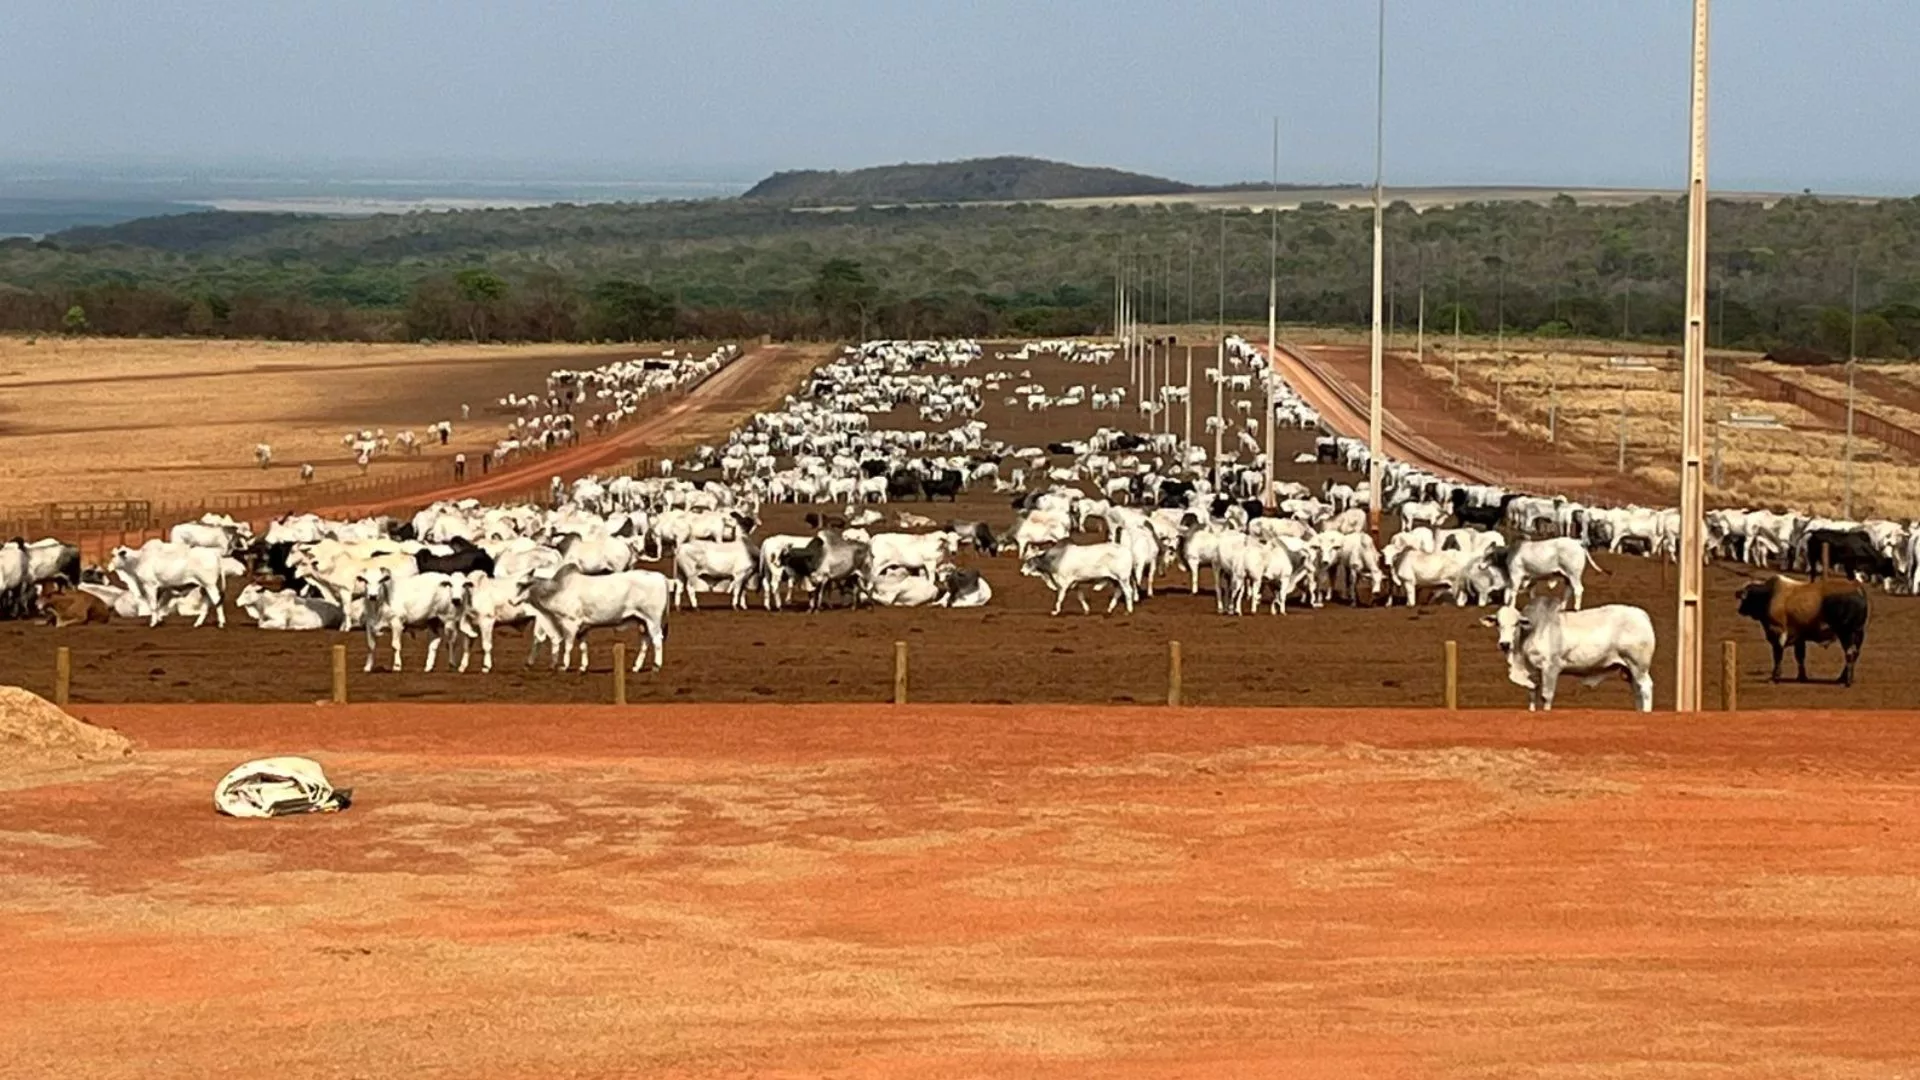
(1793,612)
(72,608)
(286,610)
(1546,642)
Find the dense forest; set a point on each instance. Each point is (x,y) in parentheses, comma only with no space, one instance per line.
(1781,274)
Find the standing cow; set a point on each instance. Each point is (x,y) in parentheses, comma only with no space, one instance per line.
(1792,612)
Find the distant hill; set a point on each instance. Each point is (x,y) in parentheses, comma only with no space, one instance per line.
(180,233)
(37,216)
(974,180)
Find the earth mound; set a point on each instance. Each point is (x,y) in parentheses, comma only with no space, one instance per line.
(36,734)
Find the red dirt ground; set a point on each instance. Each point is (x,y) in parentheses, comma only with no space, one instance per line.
(1011,651)
(970,891)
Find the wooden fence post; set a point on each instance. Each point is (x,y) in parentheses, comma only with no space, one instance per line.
(1453,675)
(62,676)
(619,673)
(1173,674)
(899,673)
(1729,676)
(339,674)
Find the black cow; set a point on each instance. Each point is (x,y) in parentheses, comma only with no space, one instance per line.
(465,558)
(947,484)
(873,467)
(903,485)
(1848,550)
(1173,493)
(1482,517)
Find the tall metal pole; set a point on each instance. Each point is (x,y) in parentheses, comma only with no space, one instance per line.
(1853,361)
(1220,352)
(1379,250)
(1188,444)
(1420,334)
(1189,279)
(1273,325)
(1687,674)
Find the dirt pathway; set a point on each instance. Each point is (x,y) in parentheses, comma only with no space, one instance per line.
(756,380)
(1423,427)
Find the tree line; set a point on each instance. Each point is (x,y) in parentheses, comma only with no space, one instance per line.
(1780,274)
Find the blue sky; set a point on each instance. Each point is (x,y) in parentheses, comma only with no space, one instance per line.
(1815,95)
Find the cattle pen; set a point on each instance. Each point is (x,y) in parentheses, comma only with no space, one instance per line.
(865,841)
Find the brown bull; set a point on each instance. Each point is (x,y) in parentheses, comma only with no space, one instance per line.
(1821,611)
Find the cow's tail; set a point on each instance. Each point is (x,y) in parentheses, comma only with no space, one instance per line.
(1592,563)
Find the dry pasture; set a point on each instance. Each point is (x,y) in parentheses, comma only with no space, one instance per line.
(1581,395)
(176,420)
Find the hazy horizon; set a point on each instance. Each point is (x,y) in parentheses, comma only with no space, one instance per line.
(727,92)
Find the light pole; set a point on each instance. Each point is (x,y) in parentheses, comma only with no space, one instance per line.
(1687,675)
(1853,362)
(1187,445)
(1374,367)
(1220,352)
(1273,326)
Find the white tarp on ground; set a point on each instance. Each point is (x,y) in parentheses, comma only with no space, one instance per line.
(271,787)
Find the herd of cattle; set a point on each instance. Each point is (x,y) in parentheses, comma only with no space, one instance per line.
(1108,512)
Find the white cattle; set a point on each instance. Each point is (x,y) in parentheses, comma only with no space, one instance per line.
(1531,560)
(160,565)
(334,569)
(1414,570)
(703,564)
(1546,642)
(288,610)
(490,602)
(596,553)
(568,603)
(1269,565)
(915,552)
(1422,513)
(1070,567)
(776,585)
(398,604)
(202,534)
(1039,528)
(1144,546)
(896,587)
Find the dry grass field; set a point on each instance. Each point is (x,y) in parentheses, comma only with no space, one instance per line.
(1575,398)
(177,420)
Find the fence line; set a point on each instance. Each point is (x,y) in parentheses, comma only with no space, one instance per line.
(259,506)
(1774,388)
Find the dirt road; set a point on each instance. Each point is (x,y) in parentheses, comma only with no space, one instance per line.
(759,376)
(973,891)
